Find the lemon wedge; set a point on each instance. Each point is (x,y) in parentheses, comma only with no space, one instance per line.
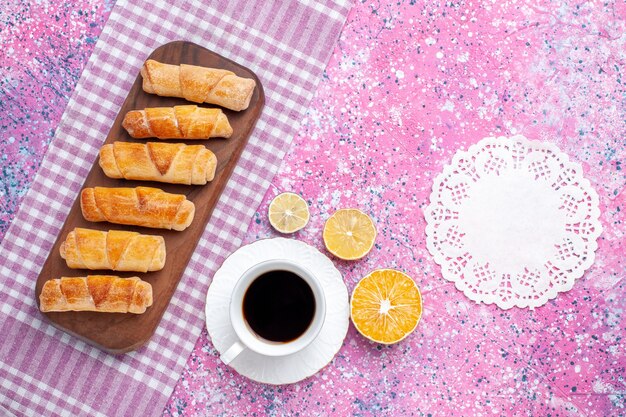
(349,234)
(386,306)
(288,213)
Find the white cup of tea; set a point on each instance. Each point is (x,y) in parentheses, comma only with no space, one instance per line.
(277,308)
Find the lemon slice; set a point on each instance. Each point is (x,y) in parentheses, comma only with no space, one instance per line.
(349,234)
(386,306)
(288,213)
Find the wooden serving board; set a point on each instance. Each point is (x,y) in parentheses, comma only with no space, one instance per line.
(118,332)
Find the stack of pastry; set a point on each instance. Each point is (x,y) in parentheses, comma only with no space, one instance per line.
(174,163)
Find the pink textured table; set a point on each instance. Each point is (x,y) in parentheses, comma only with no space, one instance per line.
(408,85)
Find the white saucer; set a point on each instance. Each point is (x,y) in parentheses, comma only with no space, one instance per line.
(300,365)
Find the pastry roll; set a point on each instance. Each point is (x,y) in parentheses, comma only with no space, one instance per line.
(178,122)
(103,293)
(197,84)
(140,206)
(174,163)
(117,250)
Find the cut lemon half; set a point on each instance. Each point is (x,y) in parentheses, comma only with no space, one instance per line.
(288,213)
(386,306)
(349,234)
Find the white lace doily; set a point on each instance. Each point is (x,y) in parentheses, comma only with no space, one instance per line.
(512,222)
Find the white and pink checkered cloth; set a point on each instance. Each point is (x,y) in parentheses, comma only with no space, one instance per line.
(44,371)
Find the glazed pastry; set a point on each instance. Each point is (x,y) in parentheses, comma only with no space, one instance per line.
(116,250)
(178,122)
(197,84)
(103,293)
(175,163)
(140,206)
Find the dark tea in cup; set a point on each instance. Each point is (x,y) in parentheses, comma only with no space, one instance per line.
(279,306)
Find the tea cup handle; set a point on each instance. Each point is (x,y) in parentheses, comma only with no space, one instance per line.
(232,352)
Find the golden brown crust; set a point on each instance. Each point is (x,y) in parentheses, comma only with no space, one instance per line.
(136,124)
(198,84)
(102,293)
(174,163)
(116,250)
(140,206)
(178,122)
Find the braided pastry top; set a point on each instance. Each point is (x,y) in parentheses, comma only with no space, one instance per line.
(174,163)
(178,122)
(198,84)
(117,250)
(140,206)
(103,293)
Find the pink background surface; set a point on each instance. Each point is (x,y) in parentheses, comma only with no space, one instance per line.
(408,84)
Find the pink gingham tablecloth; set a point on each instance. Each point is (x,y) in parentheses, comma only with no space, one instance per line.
(44,371)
